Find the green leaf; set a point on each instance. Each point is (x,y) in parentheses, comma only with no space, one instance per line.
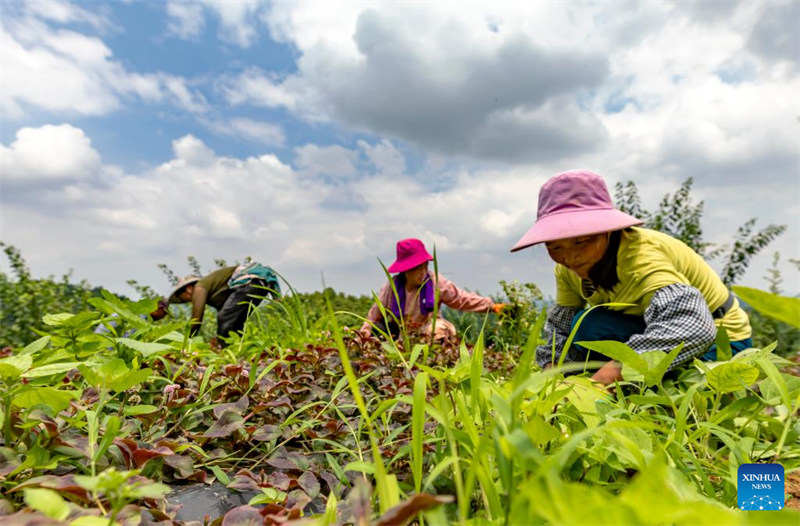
(773,374)
(773,393)
(539,431)
(656,372)
(723,342)
(53,398)
(111,432)
(732,376)
(57,320)
(620,352)
(136,410)
(51,369)
(781,308)
(362,467)
(153,490)
(145,348)
(89,520)
(130,379)
(48,502)
(221,475)
(12,367)
(36,346)
(268,496)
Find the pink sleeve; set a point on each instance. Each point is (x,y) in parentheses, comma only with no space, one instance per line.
(458,299)
(374,314)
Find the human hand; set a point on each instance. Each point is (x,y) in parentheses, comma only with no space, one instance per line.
(608,374)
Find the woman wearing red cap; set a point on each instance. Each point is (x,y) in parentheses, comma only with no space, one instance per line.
(414,303)
(603,257)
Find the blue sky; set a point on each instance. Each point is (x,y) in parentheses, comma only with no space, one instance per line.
(313,136)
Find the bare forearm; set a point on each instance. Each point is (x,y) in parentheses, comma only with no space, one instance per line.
(198,308)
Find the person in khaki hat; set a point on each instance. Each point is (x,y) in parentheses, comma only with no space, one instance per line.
(602,256)
(415,284)
(232,291)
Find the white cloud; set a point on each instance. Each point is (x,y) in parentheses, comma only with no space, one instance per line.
(190,150)
(239,21)
(473,82)
(64,12)
(67,72)
(213,206)
(384,156)
(261,132)
(329,160)
(49,153)
(186,19)
(654,92)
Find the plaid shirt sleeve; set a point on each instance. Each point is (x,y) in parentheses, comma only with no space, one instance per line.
(677,313)
(559,320)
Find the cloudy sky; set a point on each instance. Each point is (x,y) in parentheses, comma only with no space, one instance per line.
(313,136)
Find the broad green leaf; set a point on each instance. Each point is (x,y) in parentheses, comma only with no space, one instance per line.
(655,374)
(782,308)
(773,374)
(12,367)
(51,369)
(620,352)
(130,379)
(146,348)
(153,490)
(583,396)
(114,368)
(48,502)
(91,377)
(57,320)
(539,431)
(773,393)
(53,398)
(732,376)
(136,410)
(36,346)
(268,496)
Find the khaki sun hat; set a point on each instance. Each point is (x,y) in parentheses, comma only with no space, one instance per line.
(184,282)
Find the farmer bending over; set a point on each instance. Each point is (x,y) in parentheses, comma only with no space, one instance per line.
(415,284)
(602,257)
(232,291)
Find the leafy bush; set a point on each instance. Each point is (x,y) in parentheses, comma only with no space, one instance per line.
(24,300)
(677,216)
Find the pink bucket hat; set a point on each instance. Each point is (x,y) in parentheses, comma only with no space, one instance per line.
(410,253)
(571,204)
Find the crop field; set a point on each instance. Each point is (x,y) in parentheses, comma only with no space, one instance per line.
(303,421)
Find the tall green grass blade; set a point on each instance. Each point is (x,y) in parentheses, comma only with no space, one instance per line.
(388,492)
(418,428)
(476,371)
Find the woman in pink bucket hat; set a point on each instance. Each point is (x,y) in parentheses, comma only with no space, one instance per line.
(603,256)
(414,304)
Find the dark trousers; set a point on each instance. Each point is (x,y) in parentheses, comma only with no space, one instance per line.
(234,311)
(603,324)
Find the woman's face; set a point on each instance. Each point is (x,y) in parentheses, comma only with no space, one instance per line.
(416,276)
(579,254)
